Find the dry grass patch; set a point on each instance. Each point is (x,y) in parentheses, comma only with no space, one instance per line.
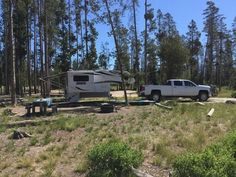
(160,134)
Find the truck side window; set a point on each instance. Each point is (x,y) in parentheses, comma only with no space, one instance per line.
(81,78)
(188,84)
(168,83)
(178,83)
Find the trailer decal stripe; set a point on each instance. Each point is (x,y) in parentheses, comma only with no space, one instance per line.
(108,82)
(105,73)
(81,89)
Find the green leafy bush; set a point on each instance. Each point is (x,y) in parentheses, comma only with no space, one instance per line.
(233,95)
(218,160)
(113,159)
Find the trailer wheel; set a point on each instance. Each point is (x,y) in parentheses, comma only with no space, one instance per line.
(156,96)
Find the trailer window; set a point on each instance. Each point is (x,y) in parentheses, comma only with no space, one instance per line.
(81,78)
(178,83)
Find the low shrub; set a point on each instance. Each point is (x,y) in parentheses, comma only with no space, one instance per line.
(7,112)
(233,95)
(113,159)
(218,160)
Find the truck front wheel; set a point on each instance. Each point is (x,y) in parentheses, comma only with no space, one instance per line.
(156,96)
(203,96)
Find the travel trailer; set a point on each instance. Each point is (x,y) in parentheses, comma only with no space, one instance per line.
(88,83)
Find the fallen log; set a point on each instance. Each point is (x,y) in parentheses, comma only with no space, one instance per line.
(140,173)
(210,113)
(163,106)
(230,102)
(200,103)
(20,135)
(27,122)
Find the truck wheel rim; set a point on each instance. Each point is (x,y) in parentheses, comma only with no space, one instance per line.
(203,96)
(155,97)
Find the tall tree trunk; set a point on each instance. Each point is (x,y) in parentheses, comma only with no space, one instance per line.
(46,49)
(86,63)
(136,60)
(145,45)
(35,49)
(42,88)
(220,60)
(6,50)
(12,54)
(77,48)
(28,48)
(81,38)
(118,53)
(69,33)
(79,32)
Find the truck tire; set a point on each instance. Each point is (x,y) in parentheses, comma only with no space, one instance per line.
(156,96)
(203,96)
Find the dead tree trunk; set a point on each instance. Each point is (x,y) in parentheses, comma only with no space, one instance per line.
(118,53)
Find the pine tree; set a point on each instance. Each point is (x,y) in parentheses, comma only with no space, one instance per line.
(169,25)
(104,56)
(174,55)
(92,55)
(79,31)
(160,26)
(211,16)
(194,46)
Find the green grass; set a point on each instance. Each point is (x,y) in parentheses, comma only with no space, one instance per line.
(71,123)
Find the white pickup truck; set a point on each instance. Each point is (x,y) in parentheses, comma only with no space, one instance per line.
(176,88)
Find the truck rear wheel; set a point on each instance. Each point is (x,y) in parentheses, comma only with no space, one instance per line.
(203,96)
(156,96)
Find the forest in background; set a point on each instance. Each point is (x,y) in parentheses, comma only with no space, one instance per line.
(41,38)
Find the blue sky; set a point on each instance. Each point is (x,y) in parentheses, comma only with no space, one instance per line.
(183,12)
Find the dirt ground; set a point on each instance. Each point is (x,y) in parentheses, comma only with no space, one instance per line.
(144,125)
(21,111)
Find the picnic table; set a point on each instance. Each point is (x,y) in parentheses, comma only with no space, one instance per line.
(43,104)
